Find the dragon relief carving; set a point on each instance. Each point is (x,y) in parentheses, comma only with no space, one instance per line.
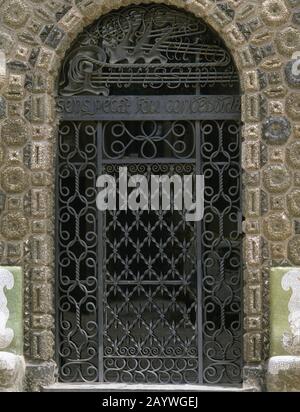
(6,334)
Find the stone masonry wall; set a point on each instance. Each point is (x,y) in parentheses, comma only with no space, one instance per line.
(35,34)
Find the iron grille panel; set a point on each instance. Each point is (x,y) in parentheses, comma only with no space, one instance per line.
(77,253)
(147,296)
(150,265)
(221,252)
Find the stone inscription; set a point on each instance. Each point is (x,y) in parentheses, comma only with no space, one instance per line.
(149,107)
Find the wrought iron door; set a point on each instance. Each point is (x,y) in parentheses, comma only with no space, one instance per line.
(147,296)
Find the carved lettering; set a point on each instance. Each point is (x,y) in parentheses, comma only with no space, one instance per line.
(149,107)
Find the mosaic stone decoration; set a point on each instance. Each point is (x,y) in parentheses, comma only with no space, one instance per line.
(262,36)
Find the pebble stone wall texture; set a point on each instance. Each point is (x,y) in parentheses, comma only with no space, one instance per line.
(262,36)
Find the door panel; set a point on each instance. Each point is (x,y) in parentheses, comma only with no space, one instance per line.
(145,296)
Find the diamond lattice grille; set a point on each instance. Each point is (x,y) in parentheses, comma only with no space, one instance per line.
(150,332)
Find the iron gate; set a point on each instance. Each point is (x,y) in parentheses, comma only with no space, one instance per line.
(148,296)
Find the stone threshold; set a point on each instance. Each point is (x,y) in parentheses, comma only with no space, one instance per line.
(120,387)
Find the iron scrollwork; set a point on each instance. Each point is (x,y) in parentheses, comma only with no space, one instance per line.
(154,47)
(221,253)
(77,253)
(148,139)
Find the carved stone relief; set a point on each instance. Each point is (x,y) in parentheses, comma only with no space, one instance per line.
(6,334)
(291,341)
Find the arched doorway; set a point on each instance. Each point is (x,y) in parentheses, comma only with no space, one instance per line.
(147,296)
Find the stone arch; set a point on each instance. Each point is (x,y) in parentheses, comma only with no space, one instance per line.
(261,40)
